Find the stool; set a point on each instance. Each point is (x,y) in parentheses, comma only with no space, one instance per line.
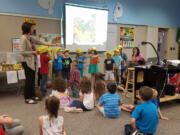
(130,80)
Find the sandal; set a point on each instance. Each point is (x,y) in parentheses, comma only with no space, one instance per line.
(30,101)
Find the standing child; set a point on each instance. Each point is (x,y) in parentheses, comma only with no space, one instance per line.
(60,91)
(58,62)
(51,124)
(144,118)
(74,79)
(66,61)
(93,64)
(124,57)
(109,66)
(110,102)
(86,100)
(81,61)
(117,68)
(44,70)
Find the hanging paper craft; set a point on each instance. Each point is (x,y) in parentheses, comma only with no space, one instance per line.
(21,75)
(11,77)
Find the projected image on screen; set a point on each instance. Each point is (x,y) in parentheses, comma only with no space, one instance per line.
(85,27)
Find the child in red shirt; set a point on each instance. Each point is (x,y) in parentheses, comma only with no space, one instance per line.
(44,70)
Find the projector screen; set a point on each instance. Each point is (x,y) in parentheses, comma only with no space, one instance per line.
(86,28)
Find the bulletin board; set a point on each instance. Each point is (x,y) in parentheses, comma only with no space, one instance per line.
(127,37)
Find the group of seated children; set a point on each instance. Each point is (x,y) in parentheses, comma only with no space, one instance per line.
(89,92)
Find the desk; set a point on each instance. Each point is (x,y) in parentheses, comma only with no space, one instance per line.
(4,86)
(156,77)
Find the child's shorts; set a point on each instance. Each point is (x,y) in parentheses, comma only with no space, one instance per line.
(109,75)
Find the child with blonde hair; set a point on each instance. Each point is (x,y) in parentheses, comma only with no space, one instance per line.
(154,100)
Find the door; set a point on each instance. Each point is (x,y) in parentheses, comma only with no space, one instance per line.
(162,44)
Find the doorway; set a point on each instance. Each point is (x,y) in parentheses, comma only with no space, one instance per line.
(162,43)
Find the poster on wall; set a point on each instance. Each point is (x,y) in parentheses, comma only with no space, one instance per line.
(32,21)
(126,37)
(16,47)
(50,38)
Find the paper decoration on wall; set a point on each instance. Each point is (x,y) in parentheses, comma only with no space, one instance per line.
(32,21)
(126,37)
(16,47)
(11,77)
(118,11)
(47,4)
(50,38)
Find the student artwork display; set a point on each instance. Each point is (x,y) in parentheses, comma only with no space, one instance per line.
(50,38)
(32,21)
(126,37)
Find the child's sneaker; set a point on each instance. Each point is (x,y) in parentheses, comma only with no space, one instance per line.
(73,109)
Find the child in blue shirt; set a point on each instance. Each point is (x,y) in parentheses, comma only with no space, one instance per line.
(110,102)
(144,118)
(117,68)
(155,101)
(58,62)
(81,61)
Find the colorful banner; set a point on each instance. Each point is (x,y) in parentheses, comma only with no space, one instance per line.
(126,37)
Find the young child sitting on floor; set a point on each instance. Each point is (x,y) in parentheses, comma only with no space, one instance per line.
(109,103)
(99,89)
(51,124)
(74,79)
(144,118)
(86,99)
(154,100)
(11,126)
(60,91)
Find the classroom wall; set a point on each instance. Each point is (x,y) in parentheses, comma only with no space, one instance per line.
(11,28)
(30,7)
(139,12)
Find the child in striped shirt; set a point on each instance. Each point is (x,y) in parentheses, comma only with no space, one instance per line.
(110,102)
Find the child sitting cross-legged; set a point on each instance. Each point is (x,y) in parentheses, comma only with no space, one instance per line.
(144,118)
(51,124)
(109,103)
(60,91)
(86,99)
(154,100)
